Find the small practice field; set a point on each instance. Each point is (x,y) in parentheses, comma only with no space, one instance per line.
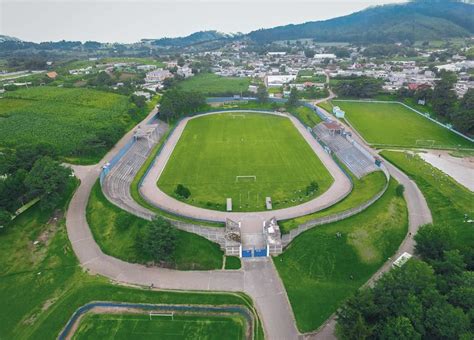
(246,157)
(141,326)
(211,84)
(392,124)
(68,119)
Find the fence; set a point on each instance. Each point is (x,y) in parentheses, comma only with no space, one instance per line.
(243,311)
(115,159)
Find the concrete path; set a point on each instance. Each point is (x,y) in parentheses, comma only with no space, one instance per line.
(418,215)
(259,280)
(340,188)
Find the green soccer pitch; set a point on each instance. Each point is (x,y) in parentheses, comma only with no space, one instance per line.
(141,326)
(392,124)
(246,157)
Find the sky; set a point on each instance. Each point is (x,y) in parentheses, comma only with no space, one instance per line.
(131,20)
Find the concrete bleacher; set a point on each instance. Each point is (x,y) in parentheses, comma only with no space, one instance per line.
(359,163)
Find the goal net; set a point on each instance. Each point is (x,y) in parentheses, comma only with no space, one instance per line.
(245,179)
(161,315)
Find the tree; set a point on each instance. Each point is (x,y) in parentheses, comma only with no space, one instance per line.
(139,101)
(399,328)
(309,53)
(181,61)
(176,103)
(182,191)
(449,270)
(293,98)
(124,220)
(158,240)
(463,119)
(262,94)
(433,240)
(47,179)
(4,219)
(443,321)
(444,96)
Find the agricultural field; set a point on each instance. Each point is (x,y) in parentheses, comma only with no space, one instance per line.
(192,251)
(391,124)
(74,121)
(42,285)
(247,157)
(129,326)
(447,199)
(320,270)
(212,85)
(363,190)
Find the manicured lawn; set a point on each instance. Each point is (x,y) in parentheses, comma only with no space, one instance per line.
(320,270)
(327,106)
(232,262)
(211,84)
(192,251)
(129,326)
(68,119)
(307,116)
(447,199)
(42,285)
(395,125)
(214,150)
(363,190)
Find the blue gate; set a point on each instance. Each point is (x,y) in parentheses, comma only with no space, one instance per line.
(246,252)
(260,252)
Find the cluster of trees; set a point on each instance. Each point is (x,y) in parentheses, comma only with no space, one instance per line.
(176,103)
(359,87)
(388,50)
(29,172)
(431,298)
(182,191)
(157,241)
(445,104)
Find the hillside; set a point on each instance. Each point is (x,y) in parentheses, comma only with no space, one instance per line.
(195,38)
(389,23)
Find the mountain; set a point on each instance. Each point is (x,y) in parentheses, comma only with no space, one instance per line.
(4,38)
(418,20)
(195,38)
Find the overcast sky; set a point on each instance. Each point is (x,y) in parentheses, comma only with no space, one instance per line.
(130,21)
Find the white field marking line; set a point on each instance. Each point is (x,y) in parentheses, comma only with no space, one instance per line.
(244,177)
(162,314)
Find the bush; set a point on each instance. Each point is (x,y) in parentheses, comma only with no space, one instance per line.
(182,191)
(124,220)
(312,188)
(400,190)
(4,219)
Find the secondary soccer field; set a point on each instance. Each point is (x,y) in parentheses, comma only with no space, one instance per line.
(140,326)
(246,157)
(395,125)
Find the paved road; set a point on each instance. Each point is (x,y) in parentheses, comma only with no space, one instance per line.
(258,279)
(340,188)
(418,215)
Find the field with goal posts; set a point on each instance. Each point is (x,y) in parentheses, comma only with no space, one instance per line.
(160,326)
(246,157)
(392,124)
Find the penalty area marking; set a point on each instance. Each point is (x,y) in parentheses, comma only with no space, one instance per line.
(425,142)
(245,178)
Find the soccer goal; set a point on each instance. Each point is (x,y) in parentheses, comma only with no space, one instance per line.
(425,142)
(159,315)
(245,179)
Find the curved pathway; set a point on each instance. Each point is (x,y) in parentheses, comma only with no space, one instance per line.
(418,215)
(339,189)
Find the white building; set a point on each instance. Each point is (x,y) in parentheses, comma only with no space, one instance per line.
(278,80)
(158,76)
(322,56)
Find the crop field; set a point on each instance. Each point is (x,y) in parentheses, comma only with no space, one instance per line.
(211,84)
(64,118)
(246,157)
(391,124)
(320,269)
(132,326)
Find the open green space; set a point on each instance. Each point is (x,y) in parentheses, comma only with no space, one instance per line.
(246,157)
(211,84)
(320,269)
(74,121)
(446,198)
(307,116)
(192,252)
(42,285)
(392,124)
(363,190)
(310,76)
(232,262)
(129,326)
